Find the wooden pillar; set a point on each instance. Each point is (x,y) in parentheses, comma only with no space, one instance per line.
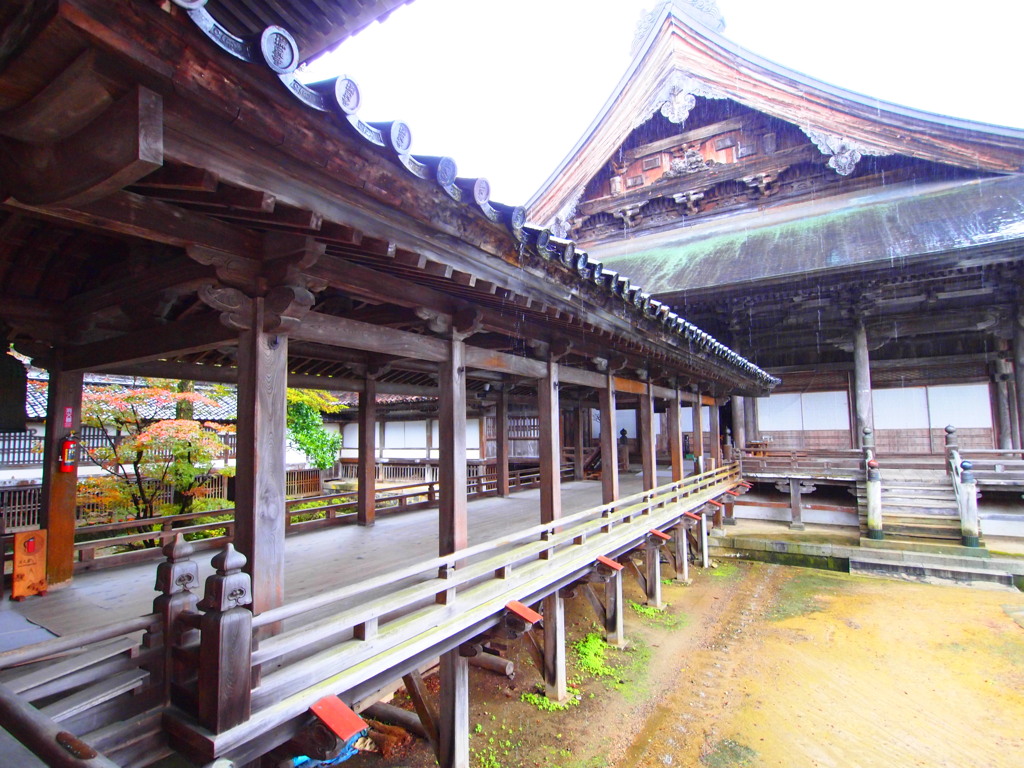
(675,437)
(750,418)
(716,435)
(555,686)
(453,725)
(796,521)
(1002,411)
(645,438)
(60,489)
(609,444)
(863,408)
(577,442)
(682,552)
(366,502)
(260,459)
(652,573)
(1018,372)
(453,520)
(697,443)
(614,626)
(501,442)
(550,492)
(739,426)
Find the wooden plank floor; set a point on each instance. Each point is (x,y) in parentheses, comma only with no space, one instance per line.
(314,561)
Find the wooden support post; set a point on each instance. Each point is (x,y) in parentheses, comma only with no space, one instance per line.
(614,627)
(874,500)
(697,444)
(609,443)
(863,408)
(652,565)
(453,727)
(682,553)
(555,686)
(428,718)
(550,492)
(225,648)
(501,442)
(577,442)
(675,437)
(705,557)
(739,426)
(730,513)
(796,510)
(260,459)
(645,406)
(366,500)
(750,418)
(1005,431)
(453,521)
(1018,371)
(60,489)
(716,436)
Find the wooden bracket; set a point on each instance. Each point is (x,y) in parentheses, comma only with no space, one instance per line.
(714,503)
(609,563)
(691,515)
(660,534)
(337,716)
(524,612)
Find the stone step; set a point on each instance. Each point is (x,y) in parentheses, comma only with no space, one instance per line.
(951,572)
(918,492)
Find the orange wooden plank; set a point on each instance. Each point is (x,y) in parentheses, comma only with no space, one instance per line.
(660,534)
(609,562)
(336,715)
(524,612)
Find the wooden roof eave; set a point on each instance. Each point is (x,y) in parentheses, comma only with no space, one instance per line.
(673,44)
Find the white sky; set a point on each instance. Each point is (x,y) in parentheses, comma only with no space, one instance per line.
(507,88)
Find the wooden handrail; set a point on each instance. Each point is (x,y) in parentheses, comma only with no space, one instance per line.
(57,645)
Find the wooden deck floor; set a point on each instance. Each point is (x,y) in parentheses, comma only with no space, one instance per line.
(314,561)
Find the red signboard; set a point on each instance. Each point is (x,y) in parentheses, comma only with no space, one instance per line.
(69,417)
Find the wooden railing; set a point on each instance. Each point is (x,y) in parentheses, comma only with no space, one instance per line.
(354,638)
(25,449)
(998,469)
(823,464)
(132,541)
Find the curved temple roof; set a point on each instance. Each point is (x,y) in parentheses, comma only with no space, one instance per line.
(338,98)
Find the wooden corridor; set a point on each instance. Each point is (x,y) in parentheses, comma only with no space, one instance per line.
(314,562)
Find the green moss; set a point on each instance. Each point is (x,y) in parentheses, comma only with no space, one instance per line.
(728,754)
(726,572)
(544,704)
(803,593)
(658,616)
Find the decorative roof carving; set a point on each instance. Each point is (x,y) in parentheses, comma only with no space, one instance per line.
(844,153)
(704,11)
(677,98)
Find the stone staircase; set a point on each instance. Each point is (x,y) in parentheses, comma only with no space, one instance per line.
(918,505)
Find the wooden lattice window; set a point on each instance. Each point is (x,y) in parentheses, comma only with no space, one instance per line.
(635,181)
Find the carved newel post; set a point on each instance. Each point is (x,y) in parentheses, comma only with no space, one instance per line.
(874,496)
(225,649)
(951,447)
(176,577)
(970,529)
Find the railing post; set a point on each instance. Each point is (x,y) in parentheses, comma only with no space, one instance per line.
(225,648)
(951,446)
(176,577)
(969,527)
(868,443)
(874,500)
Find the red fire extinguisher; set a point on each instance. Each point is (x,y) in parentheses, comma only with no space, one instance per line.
(68,454)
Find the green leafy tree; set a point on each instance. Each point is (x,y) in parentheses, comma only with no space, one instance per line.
(140,454)
(306,426)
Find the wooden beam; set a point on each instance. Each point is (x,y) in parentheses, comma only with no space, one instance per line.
(126,213)
(492,360)
(339,331)
(453,728)
(117,148)
(193,335)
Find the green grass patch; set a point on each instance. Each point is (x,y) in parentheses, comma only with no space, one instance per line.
(726,572)
(803,593)
(494,747)
(591,656)
(544,704)
(728,754)
(658,616)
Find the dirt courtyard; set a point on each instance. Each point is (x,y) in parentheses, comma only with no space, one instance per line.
(761,665)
